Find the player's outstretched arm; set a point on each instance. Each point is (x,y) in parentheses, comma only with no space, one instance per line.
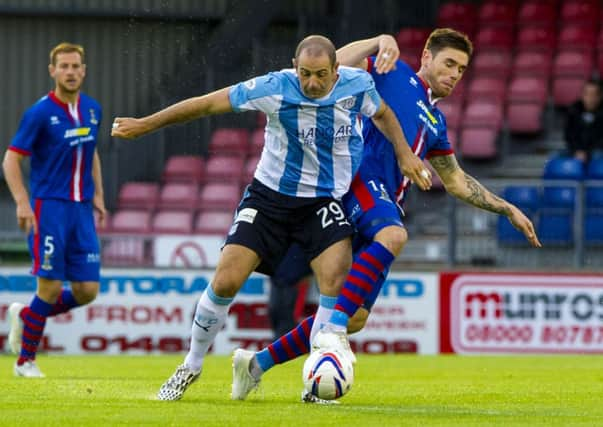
(213,103)
(463,186)
(14,178)
(411,166)
(385,46)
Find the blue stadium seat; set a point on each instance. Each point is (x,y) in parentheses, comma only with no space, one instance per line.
(559,197)
(593,228)
(595,168)
(527,199)
(555,228)
(594,197)
(564,168)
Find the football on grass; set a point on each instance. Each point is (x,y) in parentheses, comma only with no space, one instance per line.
(328,374)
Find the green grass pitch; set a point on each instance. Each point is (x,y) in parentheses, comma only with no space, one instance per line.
(388,391)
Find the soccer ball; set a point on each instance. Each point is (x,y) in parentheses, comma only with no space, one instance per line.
(328,374)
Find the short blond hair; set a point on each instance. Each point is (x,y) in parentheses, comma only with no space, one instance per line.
(65,48)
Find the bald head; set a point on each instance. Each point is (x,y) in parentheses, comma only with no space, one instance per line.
(315,46)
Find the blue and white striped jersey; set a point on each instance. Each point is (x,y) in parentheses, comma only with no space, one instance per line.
(312,147)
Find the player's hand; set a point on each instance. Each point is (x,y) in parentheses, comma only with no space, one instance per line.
(26,218)
(387,55)
(128,127)
(414,169)
(523,224)
(99,206)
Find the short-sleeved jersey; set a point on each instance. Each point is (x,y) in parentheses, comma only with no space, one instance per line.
(423,124)
(313,147)
(61,144)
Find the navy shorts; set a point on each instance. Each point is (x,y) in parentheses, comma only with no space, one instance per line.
(268,222)
(66,246)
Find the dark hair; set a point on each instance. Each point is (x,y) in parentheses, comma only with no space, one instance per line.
(316,45)
(441,38)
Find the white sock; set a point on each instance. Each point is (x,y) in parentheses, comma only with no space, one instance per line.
(210,316)
(323,314)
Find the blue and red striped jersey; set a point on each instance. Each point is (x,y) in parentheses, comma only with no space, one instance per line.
(423,124)
(61,140)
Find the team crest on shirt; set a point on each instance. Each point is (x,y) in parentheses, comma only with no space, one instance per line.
(46,265)
(93,118)
(54,120)
(347,103)
(250,84)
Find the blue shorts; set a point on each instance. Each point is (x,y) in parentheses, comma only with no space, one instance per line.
(66,246)
(370,209)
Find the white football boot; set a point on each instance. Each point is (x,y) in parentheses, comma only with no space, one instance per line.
(28,370)
(15,334)
(242,380)
(327,338)
(176,385)
(307,397)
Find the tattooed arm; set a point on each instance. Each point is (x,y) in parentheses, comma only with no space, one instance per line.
(466,188)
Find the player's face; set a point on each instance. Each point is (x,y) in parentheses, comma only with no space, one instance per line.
(444,70)
(315,73)
(68,72)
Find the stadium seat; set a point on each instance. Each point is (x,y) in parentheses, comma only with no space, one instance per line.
(452,111)
(580,12)
(411,58)
(533,63)
(524,117)
(412,38)
(489,88)
(568,168)
(125,251)
(495,64)
(224,168)
(577,37)
(537,39)
(128,221)
(593,228)
(138,195)
(461,16)
(537,12)
(595,168)
(249,171)
(555,228)
(478,143)
(178,195)
(214,222)
(483,113)
(172,222)
(215,195)
(184,168)
(494,13)
(528,89)
(566,90)
(573,63)
(257,142)
(525,198)
(594,197)
(493,38)
(232,141)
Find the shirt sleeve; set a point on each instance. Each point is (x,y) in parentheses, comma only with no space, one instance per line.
(371,101)
(442,147)
(261,93)
(27,133)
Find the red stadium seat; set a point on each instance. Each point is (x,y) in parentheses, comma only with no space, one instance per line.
(461,16)
(229,141)
(452,111)
(537,38)
(125,251)
(412,39)
(489,88)
(580,12)
(528,89)
(214,222)
(532,63)
(131,221)
(577,37)
(224,168)
(249,171)
(173,222)
(257,142)
(184,168)
(138,195)
(179,195)
(525,117)
(483,113)
(494,38)
(573,63)
(567,90)
(498,14)
(216,195)
(479,143)
(537,12)
(492,64)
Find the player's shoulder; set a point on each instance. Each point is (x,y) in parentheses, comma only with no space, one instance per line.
(89,101)
(40,107)
(355,77)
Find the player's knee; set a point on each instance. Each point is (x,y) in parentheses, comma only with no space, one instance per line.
(226,284)
(84,293)
(358,320)
(393,238)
